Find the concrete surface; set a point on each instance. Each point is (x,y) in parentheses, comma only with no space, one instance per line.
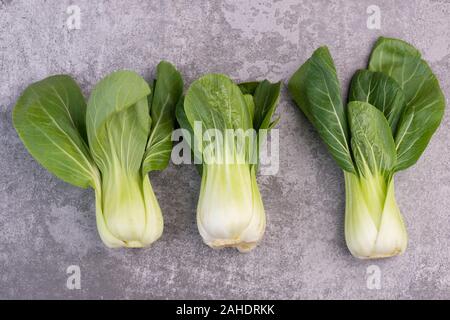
(47,225)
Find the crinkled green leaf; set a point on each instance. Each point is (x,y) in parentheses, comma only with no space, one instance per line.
(371,139)
(315,88)
(216,102)
(381,91)
(50,120)
(167,91)
(425,102)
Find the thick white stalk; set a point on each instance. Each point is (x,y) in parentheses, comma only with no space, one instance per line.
(374,226)
(127,211)
(230,212)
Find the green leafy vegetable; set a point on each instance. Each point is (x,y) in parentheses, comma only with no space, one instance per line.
(167,90)
(380,91)
(230,212)
(109,145)
(315,89)
(425,101)
(49,118)
(372,143)
(394,109)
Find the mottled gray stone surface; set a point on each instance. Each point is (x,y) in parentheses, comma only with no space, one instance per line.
(47,225)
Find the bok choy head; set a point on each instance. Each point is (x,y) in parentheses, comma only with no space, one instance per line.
(225,120)
(394,108)
(110,144)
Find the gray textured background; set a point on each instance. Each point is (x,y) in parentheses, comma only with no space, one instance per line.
(47,225)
